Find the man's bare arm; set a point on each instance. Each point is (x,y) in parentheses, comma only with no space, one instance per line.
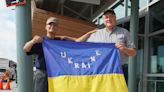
(36,39)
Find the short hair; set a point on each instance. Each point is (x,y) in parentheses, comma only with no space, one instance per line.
(109,11)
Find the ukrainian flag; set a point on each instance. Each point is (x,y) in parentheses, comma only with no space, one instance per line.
(83,67)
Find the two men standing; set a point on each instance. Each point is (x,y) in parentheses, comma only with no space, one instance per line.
(110,34)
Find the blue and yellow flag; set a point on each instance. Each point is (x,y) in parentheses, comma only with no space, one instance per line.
(83,67)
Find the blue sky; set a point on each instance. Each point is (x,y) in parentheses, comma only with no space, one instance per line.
(7,32)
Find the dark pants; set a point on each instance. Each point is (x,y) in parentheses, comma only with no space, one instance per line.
(125,71)
(40,81)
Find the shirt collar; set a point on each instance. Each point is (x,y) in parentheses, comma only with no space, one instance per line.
(112,30)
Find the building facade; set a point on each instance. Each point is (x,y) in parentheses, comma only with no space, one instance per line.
(150,53)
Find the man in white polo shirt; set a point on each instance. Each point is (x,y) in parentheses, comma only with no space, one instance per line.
(113,34)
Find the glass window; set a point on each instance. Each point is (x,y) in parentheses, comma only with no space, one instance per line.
(157,16)
(155,84)
(101,21)
(129,7)
(140,54)
(156,64)
(143,3)
(119,10)
(142,25)
(151,86)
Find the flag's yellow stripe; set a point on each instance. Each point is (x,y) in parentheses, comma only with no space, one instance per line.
(88,83)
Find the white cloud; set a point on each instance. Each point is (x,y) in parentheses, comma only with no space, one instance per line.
(7,32)
(8,45)
(3,5)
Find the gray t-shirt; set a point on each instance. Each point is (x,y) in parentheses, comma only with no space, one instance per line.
(117,35)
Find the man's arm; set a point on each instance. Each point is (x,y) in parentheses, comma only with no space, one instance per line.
(85,36)
(27,47)
(67,38)
(126,50)
(129,51)
(80,39)
(129,48)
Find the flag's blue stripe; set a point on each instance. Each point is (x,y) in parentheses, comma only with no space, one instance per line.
(80,53)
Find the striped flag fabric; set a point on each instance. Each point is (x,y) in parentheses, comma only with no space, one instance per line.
(83,67)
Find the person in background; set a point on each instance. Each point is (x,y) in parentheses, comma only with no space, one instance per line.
(6,75)
(34,47)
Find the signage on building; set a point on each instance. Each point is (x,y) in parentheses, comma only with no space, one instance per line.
(15,2)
